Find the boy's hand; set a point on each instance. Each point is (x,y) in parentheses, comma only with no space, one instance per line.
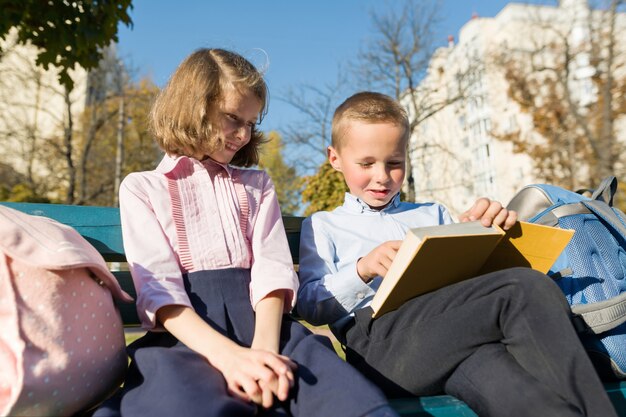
(490,212)
(377,262)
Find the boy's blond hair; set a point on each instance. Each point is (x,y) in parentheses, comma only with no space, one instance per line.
(184,116)
(367,107)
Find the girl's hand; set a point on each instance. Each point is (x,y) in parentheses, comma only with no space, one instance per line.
(256,375)
(490,212)
(377,262)
(285,380)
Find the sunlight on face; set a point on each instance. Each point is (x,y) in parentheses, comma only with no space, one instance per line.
(372,158)
(238,115)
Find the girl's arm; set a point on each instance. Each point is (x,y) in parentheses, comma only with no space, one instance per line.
(251,374)
(269,312)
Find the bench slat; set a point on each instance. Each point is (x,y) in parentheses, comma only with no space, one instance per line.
(100,226)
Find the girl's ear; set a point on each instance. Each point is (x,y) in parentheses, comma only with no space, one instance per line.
(334,158)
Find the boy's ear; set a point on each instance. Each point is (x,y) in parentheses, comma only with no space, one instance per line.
(333,158)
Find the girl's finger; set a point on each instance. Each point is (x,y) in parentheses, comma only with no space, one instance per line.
(236,391)
(266,394)
(278,363)
(291,364)
(252,389)
(283,387)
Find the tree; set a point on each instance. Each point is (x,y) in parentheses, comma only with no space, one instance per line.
(312,133)
(323,190)
(65,144)
(97,148)
(397,59)
(570,82)
(67,33)
(283,176)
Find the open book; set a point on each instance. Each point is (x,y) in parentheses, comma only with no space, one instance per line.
(433,257)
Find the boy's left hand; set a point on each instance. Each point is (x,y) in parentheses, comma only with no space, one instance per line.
(490,212)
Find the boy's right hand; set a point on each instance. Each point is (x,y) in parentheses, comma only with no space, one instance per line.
(377,262)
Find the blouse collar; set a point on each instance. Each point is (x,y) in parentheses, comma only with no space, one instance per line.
(169,163)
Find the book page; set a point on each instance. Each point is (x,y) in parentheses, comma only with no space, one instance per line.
(529,244)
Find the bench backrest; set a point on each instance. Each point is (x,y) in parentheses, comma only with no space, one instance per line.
(101,227)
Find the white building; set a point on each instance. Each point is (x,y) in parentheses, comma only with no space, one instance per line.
(33,106)
(454,155)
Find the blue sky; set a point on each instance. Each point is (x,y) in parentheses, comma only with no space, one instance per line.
(306,41)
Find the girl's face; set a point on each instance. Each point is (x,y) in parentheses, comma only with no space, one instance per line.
(238,115)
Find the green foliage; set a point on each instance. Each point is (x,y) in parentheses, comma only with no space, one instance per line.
(66,32)
(324,190)
(140,151)
(21,193)
(284,176)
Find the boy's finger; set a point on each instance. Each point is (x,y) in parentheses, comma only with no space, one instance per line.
(510,220)
(501,218)
(479,209)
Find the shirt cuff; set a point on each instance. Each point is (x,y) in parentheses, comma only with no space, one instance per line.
(348,288)
(155,295)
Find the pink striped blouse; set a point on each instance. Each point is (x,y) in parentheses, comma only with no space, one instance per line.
(190,215)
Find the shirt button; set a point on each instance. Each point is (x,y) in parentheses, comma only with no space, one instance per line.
(360,295)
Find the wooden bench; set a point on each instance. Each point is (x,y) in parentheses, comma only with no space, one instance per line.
(101,227)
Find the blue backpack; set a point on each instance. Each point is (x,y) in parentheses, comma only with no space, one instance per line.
(591,271)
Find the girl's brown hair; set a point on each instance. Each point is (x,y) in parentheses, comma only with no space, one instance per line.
(183,118)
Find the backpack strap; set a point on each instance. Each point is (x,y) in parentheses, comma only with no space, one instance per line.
(612,216)
(606,190)
(551,218)
(601,316)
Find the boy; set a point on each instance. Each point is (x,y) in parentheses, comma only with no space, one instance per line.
(502,342)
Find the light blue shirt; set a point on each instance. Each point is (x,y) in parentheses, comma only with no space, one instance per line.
(331,243)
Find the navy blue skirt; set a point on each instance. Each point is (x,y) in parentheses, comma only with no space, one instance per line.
(167,379)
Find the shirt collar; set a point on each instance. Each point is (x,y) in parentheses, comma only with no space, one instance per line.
(355,204)
(169,163)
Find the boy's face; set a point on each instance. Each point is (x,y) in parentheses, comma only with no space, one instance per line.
(238,115)
(372,161)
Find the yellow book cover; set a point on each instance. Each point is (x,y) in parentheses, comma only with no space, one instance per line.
(433,257)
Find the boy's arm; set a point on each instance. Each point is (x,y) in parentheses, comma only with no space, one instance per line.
(326,293)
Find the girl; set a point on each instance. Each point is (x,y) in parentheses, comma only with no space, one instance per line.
(212,268)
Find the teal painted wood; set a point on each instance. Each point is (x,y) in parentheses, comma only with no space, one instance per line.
(101,227)
(617,394)
(435,406)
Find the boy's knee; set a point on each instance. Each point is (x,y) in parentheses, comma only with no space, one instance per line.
(533,286)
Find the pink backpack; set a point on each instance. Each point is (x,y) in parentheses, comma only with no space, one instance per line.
(62,346)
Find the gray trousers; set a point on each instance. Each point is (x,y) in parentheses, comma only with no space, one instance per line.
(502,342)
